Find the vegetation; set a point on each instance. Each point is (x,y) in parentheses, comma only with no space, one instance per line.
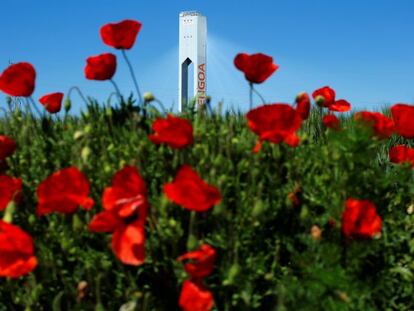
(277,230)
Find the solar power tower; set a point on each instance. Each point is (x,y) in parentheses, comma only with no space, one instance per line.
(192,50)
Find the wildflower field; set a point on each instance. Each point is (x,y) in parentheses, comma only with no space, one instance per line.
(127,206)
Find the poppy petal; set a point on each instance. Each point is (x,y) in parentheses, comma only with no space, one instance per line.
(128,244)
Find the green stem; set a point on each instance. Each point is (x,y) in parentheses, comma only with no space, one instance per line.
(258,94)
(117,90)
(134,79)
(161,105)
(35,106)
(191,234)
(251,96)
(79,92)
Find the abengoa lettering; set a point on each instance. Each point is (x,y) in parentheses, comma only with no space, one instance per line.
(201,85)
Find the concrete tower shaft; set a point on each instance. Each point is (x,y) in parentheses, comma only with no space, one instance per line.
(192,50)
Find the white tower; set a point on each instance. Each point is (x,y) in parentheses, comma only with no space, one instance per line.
(192,49)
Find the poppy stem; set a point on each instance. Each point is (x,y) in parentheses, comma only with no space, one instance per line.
(79,92)
(117,90)
(35,106)
(110,97)
(134,79)
(161,105)
(251,96)
(191,240)
(258,94)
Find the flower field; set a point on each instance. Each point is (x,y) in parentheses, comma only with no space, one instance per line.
(290,206)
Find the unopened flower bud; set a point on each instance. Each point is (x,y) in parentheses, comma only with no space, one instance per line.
(208,99)
(87,129)
(148,97)
(8,100)
(258,209)
(85,153)
(81,290)
(108,111)
(410,209)
(67,105)
(78,135)
(343,296)
(232,274)
(316,233)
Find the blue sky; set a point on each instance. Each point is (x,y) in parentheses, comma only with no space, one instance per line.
(363,49)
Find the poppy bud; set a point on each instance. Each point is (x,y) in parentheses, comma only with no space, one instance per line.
(32,219)
(67,104)
(8,213)
(319,100)
(85,153)
(8,100)
(342,296)
(87,129)
(148,97)
(110,148)
(107,168)
(131,305)
(99,307)
(81,290)
(258,209)
(172,222)
(77,223)
(208,99)
(192,242)
(78,135)
(316,233)
(108,111)
(233,272)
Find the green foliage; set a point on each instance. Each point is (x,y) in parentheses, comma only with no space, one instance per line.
(267,258)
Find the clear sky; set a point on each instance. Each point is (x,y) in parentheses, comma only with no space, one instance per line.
(364,49)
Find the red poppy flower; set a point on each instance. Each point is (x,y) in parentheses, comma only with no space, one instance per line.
(18,80)
(340,105)
(52,102)
(120,35)
(403,116)
(125,210)
(202,261)
(383,126)
(173,131)
(331,121)
(402,154)
(191,192)
(275,123)
(256,67)
(63,192)
(100,67)
(10,190)
(303,105)
(7,147)
(325,97)
(360,219)
(195,297)
(16,251)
